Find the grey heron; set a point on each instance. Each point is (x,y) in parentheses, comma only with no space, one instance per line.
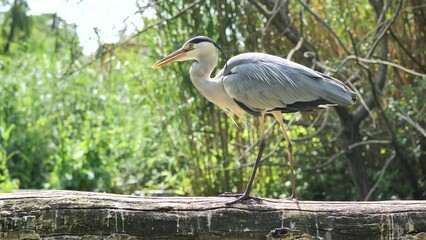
(259,84)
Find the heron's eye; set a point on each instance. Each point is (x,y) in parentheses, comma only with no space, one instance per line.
(190,46)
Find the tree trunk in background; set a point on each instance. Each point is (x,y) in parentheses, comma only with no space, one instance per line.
(19,21)
(10,36)
(350,134)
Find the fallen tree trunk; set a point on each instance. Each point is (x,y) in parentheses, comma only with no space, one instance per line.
(76,215)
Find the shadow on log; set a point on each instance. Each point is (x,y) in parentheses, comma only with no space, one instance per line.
(86,215)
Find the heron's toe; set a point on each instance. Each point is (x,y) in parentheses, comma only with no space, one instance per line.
(241,198)
(230,194)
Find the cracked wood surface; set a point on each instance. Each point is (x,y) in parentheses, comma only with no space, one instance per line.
(88,215)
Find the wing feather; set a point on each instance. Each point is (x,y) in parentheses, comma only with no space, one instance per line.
(266,82)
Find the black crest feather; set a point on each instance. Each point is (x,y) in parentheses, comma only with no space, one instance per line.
(199,39)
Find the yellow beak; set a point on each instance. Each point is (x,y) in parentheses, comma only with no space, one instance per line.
(175,56)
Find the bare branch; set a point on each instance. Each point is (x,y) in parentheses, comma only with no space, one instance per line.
(284,23)
(319,19)
(352,146)
(355,49)
(365,36)
(323,124)
(407,52)
(385,29)
(297,47)
(414,124)
(379,61)
(184,10)
(363,66)
(264,11)
(70,70)
(273,14)
(382,172)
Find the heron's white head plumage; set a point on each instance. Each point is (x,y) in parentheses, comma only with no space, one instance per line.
(201,50)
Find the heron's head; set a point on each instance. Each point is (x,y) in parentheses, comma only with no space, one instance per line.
(193,49)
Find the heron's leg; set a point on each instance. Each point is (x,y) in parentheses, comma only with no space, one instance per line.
(279,118)
(246,194)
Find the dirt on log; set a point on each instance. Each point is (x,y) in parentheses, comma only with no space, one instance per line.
(87,215)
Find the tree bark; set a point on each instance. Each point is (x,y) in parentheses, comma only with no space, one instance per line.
(85,215)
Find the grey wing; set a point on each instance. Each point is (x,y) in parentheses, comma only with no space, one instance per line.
(265,82)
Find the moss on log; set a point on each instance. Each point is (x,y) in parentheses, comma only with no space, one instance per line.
(86,215)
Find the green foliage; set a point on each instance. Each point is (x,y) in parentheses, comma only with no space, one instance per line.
(6,183)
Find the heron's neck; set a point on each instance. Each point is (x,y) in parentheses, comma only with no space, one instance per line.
(202,69)
(200,76)
(212,88)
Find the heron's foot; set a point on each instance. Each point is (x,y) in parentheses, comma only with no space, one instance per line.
(292,198)
(240,197)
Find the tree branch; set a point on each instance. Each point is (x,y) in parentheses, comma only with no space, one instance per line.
(335,156)
(414,124)
(72,70)
(284,24)
(317,131)
(272,15)
(319,19)
(382,173)
(379,61)
(378,84)
(407,52)
(293,50)
(382,19)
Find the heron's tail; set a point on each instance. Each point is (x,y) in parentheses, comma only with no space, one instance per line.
(338,93)
(353,95)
